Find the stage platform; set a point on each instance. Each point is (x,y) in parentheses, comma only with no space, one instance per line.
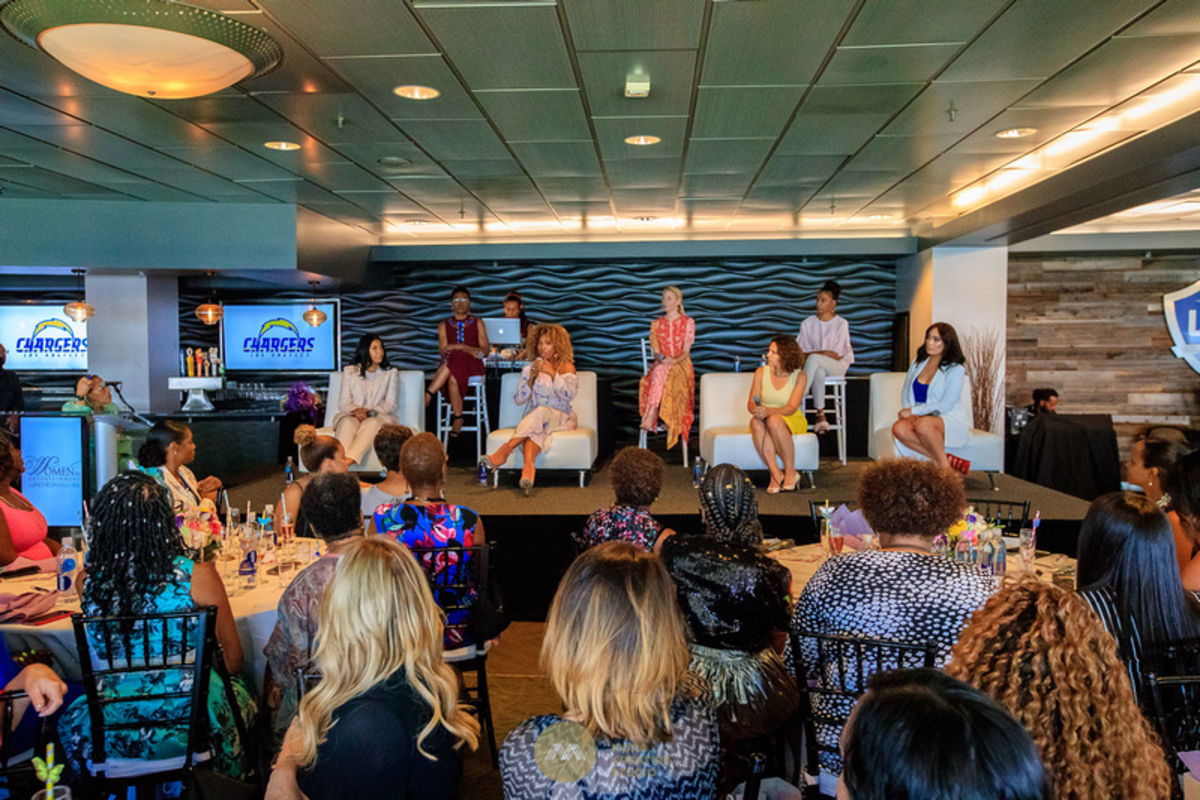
(533,533)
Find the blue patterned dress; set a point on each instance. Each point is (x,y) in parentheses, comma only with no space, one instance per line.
(74,728)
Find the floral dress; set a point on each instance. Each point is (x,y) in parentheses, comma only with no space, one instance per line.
(619,523)
(547,405)
(671,387)
(74,728)
(436,524)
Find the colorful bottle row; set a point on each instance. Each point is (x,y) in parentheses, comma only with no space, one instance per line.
(200,363)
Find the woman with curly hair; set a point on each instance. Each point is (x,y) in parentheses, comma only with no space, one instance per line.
(775,400)
(616,654)
(136,565)
(637,477)
(547,388)
(385,718)
(901,592)
(934,416)
(736,600)
(668,389)
(1038,651)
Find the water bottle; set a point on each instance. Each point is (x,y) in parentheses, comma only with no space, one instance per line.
(68,570)
(248,568)
(289,471)
(737,363)
(697,471)
(1000,566)
(483,473)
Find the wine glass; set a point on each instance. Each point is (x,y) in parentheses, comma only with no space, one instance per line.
(1027,544)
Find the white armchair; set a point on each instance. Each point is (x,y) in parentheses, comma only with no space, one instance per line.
(410,408)
(572,450)
(984,450)
(725,426)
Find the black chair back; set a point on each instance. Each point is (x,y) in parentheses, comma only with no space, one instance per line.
(1172,680)
(173,651)
(1013,514)
(17,776)
(841,666)
(457,577)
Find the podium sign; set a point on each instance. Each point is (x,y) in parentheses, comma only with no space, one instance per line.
(1182,310)
(55,453)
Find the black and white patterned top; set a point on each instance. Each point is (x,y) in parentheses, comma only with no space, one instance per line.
(883,594)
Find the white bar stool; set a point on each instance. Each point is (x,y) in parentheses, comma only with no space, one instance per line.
(474,406)
(835,391)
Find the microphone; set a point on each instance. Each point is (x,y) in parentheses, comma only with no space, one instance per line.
(117,384)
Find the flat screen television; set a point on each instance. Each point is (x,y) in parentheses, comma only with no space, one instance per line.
(41,338)
(275,338)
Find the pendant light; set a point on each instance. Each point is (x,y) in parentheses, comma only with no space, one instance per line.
(314,316)
(79,310)
(210,312)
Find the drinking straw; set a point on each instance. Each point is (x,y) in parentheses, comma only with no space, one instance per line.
(1037,520)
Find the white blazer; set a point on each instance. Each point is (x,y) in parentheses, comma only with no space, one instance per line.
(949,397)
(378,394)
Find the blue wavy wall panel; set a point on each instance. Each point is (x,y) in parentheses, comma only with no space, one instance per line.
(737,304)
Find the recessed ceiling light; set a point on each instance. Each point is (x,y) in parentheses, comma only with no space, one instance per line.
(642,141)
(281,145)
(414,92)
(1016,133)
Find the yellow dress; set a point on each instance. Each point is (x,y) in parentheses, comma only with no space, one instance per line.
(777,398)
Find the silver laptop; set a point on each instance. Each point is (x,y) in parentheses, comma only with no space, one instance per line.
(503,330)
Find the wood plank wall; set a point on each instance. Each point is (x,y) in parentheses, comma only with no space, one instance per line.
(1093,328)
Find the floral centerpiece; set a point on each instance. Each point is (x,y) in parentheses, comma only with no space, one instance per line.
(304,399)
(961,541)
(201,530)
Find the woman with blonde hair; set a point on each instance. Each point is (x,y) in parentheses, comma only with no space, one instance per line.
(547,388)
(668,389)
(386,711)
(1038,650)
(616,653)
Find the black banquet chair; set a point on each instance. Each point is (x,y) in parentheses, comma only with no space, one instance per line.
(16,769)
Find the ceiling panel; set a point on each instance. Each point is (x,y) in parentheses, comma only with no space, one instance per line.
(883,22)
(218,108)
(776,198)
(956,170)
(253,135)
(55,183)
(295,191)
(101,146)
(451,140)
(635,24)
(368,155)
(13,189)
(558,159)
(642,173)
(956,108)
(611,134)
(670,82)
(299,71)
(334,118)
(879,98)
(725,112)
(496,168)
(382,203)
(536,116)
(778,42)
(708,208)
(896,64)
(1050,122)
(714,185)
(727,155)
(1035,39)
(376,77)
(352,27)
(784,170)
(135,118)
(1171,18)
(829,134)
(510,46)
(17,110)
(160,193)
(863,184)
(429,190)
(67,163)
(584,211)
(573,190)
(34,74)
(902,154)
(344,177)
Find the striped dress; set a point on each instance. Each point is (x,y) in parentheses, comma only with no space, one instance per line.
(1103,601)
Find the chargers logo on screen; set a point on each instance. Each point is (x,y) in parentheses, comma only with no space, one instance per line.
(51,337)
(278,337)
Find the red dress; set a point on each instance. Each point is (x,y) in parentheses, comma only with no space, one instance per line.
(463,365)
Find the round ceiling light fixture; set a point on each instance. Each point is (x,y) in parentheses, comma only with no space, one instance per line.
(150,48)
(79,310)
(1019,132)
(410,91)
(393,162)
(281,146)
(642,140)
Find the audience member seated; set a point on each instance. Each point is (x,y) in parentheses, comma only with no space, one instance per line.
(23,529)
(921,735)
(616,653)
(901,592)
(393,488)
(1045,401)
(92,396)
(514,308)
(1151,455)
(1183,511)
(136,565)
(385,719)
(46,691)
(736,601)
(165,454)
(330,504)
(367,399)
(317,454)
(1126,572)
(637,477)
(775,401)
(1040,652)
(934,416)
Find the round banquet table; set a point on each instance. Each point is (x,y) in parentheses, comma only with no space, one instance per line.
(254,612)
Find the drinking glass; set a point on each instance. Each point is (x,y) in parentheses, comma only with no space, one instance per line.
(836,540)
(60,793)
(1027,543)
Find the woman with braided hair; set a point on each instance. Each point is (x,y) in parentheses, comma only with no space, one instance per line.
(136,565)
(1037,650)
(735,600)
